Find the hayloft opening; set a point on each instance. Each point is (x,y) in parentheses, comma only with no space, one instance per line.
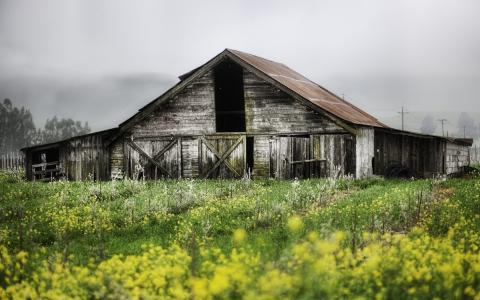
(229,99)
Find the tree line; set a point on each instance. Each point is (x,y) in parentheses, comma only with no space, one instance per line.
(17,129)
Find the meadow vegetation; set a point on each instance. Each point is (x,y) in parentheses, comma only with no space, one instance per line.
(244,239)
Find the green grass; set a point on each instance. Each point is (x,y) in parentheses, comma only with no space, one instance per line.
(207,211)
(408,225)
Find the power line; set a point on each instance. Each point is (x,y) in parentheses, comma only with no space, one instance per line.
(403,112)
(443,122)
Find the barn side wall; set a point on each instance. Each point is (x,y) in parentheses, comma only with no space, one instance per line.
(423,157)
(85,158)
(81,158)
(457,157)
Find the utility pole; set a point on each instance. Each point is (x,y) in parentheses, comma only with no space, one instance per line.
(443,122)
(403,112)
(464,132)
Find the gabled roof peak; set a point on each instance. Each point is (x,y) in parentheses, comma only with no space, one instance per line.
(319,96)
(281,76)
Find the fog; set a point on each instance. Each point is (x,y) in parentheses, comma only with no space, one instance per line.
(100,61)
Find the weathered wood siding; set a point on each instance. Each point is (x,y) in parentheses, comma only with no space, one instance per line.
(117,165)
(85,158)
(269,110)
(457,157)
(364,152)
(262,156)
(424,157)
(229,149)
(141,153)
(338,151)
(322,155)
(190,156)
(80,158)
(190,112)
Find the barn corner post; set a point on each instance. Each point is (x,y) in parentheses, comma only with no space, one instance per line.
(364,151)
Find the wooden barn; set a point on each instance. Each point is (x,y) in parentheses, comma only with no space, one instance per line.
(241,115)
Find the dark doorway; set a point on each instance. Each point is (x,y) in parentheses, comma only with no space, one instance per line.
(46,164)
(229,99)
(46,156)
(250,156)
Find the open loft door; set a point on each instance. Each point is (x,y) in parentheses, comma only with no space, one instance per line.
(229,97)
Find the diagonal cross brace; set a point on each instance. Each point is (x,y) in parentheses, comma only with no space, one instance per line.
(162,152)
(148,157)
(222,158)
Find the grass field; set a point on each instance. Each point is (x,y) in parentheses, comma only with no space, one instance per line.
(265,239)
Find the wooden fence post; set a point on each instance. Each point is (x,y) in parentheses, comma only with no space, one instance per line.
(12,161)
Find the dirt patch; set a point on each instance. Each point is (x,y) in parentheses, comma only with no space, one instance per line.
(444,193)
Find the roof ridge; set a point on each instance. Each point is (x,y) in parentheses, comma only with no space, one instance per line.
(273,61)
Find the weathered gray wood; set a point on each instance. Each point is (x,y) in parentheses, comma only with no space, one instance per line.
(190,156)
(190,112)
(148,157)
(79,158)
(423,156)
(261,156)
(364,152)
(457,157)
(269,110)
(12,161)
(222,157)
(297,97)
(166,148)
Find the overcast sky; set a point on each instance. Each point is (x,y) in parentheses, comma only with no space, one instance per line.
(100,61)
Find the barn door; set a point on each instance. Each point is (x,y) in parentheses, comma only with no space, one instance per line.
(154,159)
(290,157)
(222,156)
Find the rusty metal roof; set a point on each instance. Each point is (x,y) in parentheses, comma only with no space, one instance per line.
(309,90)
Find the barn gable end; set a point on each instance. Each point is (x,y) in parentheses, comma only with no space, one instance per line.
(189,117)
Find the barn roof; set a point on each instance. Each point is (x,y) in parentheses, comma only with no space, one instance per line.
(308,90)
(106,132)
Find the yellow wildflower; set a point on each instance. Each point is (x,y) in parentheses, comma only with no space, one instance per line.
(295,224)
(239,235)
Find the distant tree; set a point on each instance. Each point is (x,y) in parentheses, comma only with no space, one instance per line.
(428,125)
(466,124)
(17,129)
(56,130)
